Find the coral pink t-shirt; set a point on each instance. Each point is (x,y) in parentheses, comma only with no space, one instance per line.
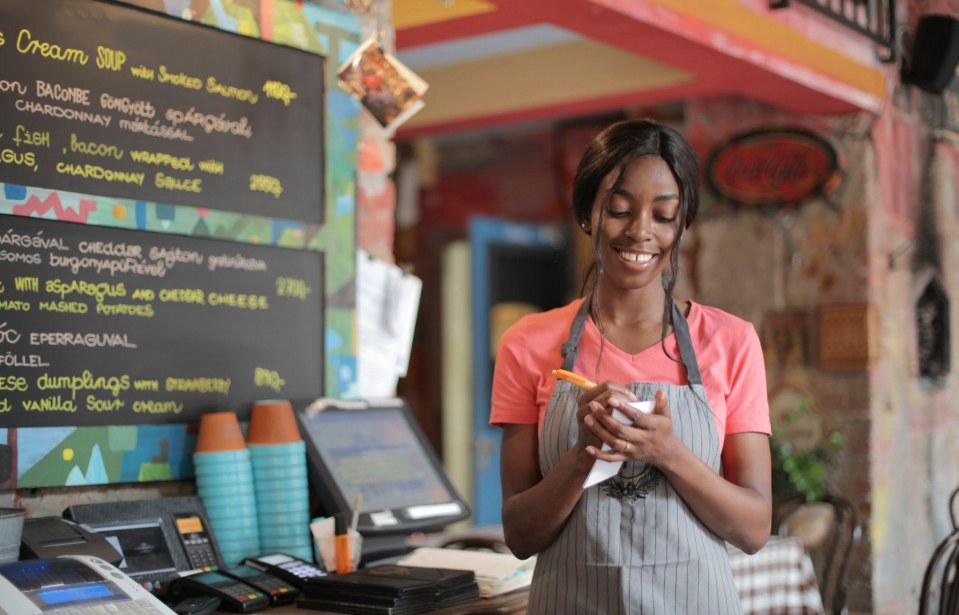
(727,349)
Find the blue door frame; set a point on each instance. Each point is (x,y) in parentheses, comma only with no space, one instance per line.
(484,235)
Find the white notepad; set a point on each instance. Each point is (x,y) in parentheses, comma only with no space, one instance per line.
(603,470)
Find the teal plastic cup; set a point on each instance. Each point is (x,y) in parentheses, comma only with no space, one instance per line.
(289,532)
(228,508)
(277,506)
(283,449)
(244,525)
(293,486)
(238,489)
(218,457)
(278,472)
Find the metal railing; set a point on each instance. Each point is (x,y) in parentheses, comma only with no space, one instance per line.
(875,19)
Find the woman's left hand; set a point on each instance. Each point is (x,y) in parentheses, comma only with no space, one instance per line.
(650,438)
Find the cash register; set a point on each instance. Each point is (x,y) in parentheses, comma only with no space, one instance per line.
(72,585)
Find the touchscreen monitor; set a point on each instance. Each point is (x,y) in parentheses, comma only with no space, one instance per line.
(377,450)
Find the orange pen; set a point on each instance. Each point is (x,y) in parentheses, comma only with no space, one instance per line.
(576,379)
(341,544)
(643,406)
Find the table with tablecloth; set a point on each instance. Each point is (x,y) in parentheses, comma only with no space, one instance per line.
(776,580)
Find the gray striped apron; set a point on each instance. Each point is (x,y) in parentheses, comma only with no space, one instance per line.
(631,545)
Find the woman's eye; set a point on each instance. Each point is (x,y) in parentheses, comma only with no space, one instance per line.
(617,214)
(666,219)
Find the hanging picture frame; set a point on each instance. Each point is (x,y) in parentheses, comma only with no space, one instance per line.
(390,91)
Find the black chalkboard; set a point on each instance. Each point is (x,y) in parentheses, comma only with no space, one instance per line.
(103,326)
(105,99)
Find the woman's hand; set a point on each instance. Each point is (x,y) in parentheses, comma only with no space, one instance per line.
(736,505)
(598,400)
(649,438)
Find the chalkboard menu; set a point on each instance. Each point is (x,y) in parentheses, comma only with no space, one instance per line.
(99,98)
(107,327)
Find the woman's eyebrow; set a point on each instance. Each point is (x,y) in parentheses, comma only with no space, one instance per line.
(666,197)
(669,196)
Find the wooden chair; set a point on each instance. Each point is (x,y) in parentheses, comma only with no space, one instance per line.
(829,530)
(940,583)
(954,508)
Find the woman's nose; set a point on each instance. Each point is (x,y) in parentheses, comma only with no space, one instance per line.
(640,226)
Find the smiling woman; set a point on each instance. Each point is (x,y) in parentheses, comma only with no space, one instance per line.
(635,193)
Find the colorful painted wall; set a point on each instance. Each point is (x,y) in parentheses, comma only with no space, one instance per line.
(97,455)
(801,259)
(914,431)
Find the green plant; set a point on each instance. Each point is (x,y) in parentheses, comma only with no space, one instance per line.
(800,448)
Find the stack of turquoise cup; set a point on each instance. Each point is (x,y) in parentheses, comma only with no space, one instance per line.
(282,498)
(224,479)
(279,478)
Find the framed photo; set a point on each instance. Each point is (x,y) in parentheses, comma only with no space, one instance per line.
(785,339)
(848,336)
(390,91)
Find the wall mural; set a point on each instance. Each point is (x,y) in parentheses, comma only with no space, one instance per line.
(69,456)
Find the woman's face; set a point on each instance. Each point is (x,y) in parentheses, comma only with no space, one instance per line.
(640,223)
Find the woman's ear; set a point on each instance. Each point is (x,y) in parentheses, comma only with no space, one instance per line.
(585,226)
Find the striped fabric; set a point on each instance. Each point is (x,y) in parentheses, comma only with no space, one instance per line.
(631,545)
(777,580)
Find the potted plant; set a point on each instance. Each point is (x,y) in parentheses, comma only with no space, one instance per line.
(801,445)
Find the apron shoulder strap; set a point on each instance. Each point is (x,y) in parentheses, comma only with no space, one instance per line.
(685,342)
(571,346)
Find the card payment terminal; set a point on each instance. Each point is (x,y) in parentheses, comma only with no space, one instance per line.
(278,590)
(293,570)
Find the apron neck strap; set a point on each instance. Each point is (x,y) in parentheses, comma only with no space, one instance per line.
(686,351)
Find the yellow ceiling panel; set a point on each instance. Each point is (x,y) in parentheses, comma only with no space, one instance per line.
(765,32)
(544,76)
(412,13)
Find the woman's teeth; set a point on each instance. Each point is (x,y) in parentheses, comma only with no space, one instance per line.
(634,257)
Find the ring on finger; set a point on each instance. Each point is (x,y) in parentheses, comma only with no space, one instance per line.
(626,448)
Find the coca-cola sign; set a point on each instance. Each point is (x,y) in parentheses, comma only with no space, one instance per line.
(773,167)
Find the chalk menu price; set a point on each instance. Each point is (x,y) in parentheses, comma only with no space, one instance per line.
(108,327)
(104,99)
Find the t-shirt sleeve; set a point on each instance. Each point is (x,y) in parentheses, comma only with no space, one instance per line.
(747,405)
(514,389)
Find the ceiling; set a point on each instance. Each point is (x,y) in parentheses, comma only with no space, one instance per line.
(495,62)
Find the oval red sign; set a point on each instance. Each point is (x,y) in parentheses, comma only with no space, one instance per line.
(772,167)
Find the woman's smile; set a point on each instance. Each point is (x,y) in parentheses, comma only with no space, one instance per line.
(637,258)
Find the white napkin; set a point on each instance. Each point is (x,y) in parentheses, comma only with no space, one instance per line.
(605,469)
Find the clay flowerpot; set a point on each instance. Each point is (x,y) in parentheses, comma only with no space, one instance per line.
(273,422)
(219,431)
